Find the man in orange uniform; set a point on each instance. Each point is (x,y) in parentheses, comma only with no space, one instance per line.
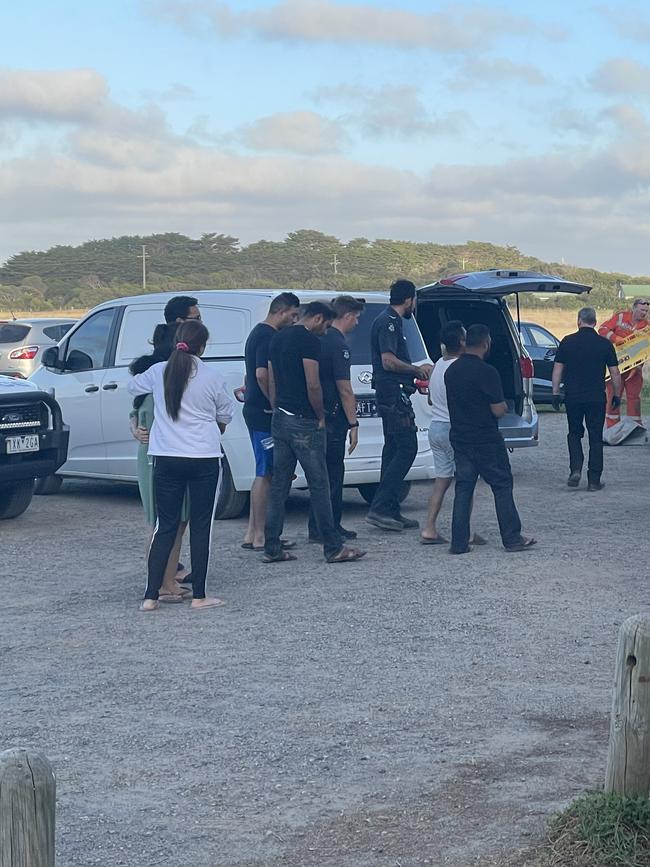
(616,329)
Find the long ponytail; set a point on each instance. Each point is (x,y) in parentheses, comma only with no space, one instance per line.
(191,338)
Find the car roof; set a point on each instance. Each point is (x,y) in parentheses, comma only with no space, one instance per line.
(205,296)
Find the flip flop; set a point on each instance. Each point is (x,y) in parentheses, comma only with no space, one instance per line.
(283,557)
(439,540)
(171,598)
(247,546)
(522,546)
(349,555)
(216,603)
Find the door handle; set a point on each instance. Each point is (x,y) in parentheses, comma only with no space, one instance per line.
(550,355)
(110,386)
(91,388)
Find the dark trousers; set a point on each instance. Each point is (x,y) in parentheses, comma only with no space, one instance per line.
(299,439)
(397,456)
(172,476)
(337,436)
(593,416)
(490,461)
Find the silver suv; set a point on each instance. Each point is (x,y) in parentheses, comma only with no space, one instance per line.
(22,342)
(479,297)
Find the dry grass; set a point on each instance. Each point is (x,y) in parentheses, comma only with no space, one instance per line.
(42,314)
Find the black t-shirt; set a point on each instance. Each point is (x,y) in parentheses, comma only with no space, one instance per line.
(288,349)
(257,409)
(585,355)
(472,385)
(334,365)
(386,335)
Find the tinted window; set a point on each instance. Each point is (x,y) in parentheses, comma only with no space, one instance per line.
(359,339)
(542,337)
(12,332)
(91,339)
(56,332)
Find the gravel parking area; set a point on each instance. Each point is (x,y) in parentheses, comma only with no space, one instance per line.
(414,708)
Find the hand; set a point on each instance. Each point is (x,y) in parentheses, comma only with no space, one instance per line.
(354,439)
(557,402)
(616,401)
(321,423)
(425,371)
(239,393)
(142,435)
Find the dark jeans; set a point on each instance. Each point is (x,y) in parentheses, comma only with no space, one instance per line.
(172,476)
(299,439)
(337,436)
(490,461)
(593,416)
(397,456)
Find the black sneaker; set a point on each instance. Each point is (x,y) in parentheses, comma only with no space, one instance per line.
(384,522)
(574,480)
(408,523)
(346,534)
(595,486)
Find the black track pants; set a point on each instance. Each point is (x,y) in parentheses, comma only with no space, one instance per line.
(171,478)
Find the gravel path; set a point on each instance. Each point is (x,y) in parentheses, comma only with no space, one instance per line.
(414,708)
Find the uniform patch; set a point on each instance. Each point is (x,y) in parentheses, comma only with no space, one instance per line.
(391,327)
(346,354)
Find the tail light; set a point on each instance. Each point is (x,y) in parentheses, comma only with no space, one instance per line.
(25,353)
(527,369)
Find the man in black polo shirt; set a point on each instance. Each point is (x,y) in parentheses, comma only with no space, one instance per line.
(476,402)
(340,405)
(581,362)
(257,409)
(393,376)
(298,429)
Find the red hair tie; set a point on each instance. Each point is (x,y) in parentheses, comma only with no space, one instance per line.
(182,346)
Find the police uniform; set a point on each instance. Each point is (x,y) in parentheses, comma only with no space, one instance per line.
(334,365)
(393,391)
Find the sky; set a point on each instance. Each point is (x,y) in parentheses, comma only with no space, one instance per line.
(513,122)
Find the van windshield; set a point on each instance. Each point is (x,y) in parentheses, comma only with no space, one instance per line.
(359,339)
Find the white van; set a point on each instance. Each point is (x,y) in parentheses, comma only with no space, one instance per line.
(89,374)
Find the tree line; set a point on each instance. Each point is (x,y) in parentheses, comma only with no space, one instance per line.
(96,271)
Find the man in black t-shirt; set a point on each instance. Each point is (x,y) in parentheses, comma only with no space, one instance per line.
(340,405)
(582,361)
(257,409)
(298,429)
(476,403)
(393,376)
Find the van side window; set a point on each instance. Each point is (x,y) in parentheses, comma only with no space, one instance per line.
(88,346)
(138,325)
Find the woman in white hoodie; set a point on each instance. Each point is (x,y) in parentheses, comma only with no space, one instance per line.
(192,409)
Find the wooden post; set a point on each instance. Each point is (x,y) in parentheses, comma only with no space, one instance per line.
(27,807)
(628,761)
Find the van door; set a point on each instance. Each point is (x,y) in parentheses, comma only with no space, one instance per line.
(78,389)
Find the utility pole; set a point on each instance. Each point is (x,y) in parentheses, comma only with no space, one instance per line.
(144,256)
(335,264)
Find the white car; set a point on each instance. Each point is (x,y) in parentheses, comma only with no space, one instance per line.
(89,374)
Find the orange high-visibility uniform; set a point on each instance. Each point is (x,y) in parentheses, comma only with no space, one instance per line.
(616,329)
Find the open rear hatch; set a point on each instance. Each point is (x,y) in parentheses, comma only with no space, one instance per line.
(497,284)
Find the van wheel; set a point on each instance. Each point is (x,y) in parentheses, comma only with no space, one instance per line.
(368,491)
(231,502)
(48,485)
(15,497)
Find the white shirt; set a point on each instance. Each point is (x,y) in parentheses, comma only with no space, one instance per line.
(205,402)
(438,391)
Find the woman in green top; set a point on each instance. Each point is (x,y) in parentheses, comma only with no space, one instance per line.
(142,416)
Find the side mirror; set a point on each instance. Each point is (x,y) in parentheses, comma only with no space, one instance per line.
(50,358)
(78,360)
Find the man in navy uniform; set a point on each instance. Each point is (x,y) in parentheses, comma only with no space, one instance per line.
(393,376)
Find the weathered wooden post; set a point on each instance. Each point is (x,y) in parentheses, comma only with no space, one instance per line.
(628,761)
(27,807)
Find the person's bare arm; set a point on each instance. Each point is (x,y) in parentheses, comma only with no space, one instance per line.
(499,409)
(556,377)
(314,390)
(391,362)
(262,377)
(349,404)
(271,384)
(615,374)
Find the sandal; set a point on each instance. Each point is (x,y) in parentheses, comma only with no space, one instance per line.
(439,540)
(521,546)
(170,598)
(282,557)
(347,555)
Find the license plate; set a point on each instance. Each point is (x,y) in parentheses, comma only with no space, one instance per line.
(367,408)
(28,443)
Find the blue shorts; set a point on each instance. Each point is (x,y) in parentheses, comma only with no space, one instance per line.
(263,457)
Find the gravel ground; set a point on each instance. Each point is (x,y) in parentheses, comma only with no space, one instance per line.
(411,709)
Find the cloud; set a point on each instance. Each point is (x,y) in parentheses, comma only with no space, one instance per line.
(620,75)
(390,112)
(486,73)
(631,22)
(456,28)
(51,95)
(298,132)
